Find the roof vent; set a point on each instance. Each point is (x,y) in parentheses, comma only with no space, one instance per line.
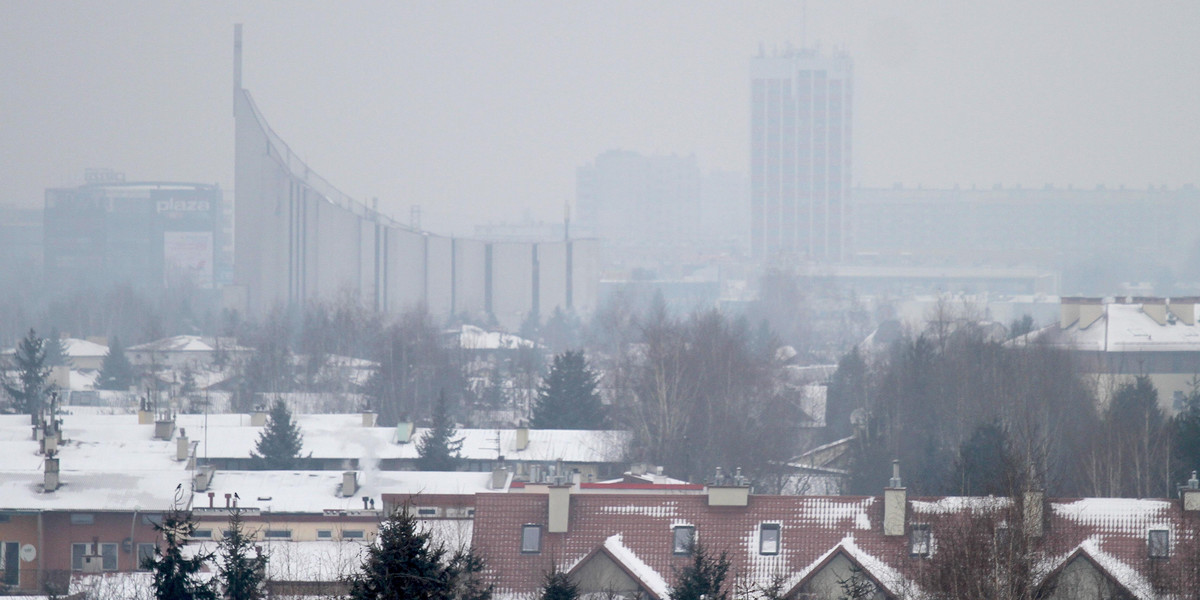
(895,482)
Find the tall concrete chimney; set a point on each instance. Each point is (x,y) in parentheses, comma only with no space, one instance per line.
(895,503)
(349,484)
(237,62)
(522,437)
(368,418)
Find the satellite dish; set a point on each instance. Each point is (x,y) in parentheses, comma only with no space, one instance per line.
(28,553)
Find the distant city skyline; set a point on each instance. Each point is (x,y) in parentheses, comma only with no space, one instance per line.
(480,112)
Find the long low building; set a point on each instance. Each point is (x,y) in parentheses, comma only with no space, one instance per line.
(889,547)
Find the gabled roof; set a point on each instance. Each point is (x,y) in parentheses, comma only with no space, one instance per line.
(1109,533)
(883,576)
(1120,575)
(811,526)
(647,578)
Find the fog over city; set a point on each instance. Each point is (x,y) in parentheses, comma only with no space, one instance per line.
(804,300)
(481,111)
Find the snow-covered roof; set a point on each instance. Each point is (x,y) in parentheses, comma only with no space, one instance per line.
(95,441)
(77,348)
(343,436)
(74,348)
(475,338)
(99,490)
(317,491)
(1125,327)
(186,343)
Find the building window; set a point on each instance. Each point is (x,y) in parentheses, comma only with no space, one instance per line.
(427,512)
(919,540)
(202,533)
(108,557)
(683,538)
(78,551)
(1158,543)
(768,538)
(278,534)
(324,534)
(145,553)
(353,534)
(531,539)
(10,563)
(82,519)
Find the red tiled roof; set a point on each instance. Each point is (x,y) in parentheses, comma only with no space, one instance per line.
(1111,533)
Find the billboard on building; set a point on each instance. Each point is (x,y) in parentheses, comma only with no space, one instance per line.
(188,257)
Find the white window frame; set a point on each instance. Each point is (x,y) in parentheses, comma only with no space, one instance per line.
(920,540)
(763,528)
(77,565)
(679,549)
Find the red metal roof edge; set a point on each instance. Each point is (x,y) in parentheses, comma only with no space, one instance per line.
(641,486)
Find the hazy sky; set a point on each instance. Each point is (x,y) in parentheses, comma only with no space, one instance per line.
(482,110)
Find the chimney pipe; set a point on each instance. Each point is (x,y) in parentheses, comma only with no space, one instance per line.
(228,496)
(366,500)
(182,445)
(522,437)
(895,504)
(1191,494)
(210,498)
(50,483)
(559,508)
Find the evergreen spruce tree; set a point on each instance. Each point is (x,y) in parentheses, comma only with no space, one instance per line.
(704,577)
(406,564)
(279,443)
(438,449)
(116,372)
(56,350)
(30,392)
(558,586)
(241,573)
(176,577)
(567,398)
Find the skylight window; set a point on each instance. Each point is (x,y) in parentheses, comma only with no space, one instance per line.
(683,538)
(531,539)
(1158,543)
(919,540)
(768,538)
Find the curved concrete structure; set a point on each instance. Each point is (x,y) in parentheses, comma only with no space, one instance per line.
(299,239)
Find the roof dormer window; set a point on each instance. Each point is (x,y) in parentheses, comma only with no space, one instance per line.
(1158,543)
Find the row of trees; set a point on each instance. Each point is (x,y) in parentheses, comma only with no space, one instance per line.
(966,413)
